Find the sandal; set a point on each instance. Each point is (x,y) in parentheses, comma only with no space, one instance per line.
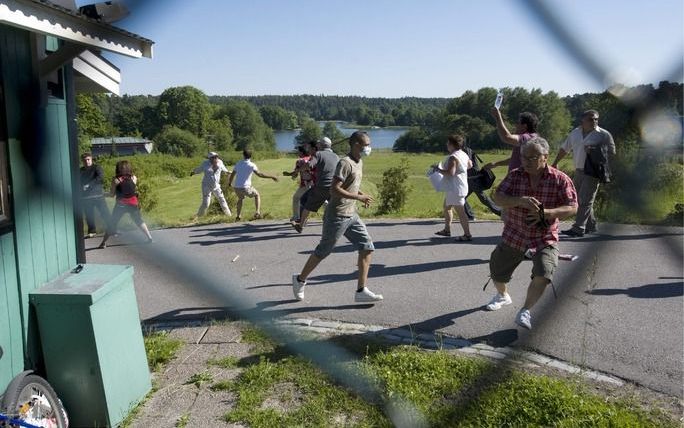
(465,238)
(443,232)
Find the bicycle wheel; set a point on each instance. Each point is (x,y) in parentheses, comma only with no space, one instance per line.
(29,398)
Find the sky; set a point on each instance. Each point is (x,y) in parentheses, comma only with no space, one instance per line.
(395,48)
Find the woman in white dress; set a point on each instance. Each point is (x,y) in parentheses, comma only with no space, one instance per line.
(455,185)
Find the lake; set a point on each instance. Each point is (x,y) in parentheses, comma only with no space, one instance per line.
(382,138)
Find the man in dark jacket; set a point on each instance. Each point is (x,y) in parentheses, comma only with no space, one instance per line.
(92,195)
(474,187)
(325,162)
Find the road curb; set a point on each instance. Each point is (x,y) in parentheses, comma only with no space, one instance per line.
(432,341)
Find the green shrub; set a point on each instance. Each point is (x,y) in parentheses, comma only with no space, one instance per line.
(394,189)
(178,142)
(147,197)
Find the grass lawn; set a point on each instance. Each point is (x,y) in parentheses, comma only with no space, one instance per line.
(178,195)
(178,199)
(276,388)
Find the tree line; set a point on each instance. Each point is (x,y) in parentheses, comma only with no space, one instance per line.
(470,115)
(184,121)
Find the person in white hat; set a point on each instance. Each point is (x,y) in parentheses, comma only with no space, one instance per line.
(212,168)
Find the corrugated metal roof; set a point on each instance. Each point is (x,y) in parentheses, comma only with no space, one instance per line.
(91,20)
(120,140)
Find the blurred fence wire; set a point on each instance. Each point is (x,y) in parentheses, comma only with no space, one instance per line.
(660,131)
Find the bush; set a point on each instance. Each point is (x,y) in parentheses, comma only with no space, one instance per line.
(394,189)
(147,197)
(177,142)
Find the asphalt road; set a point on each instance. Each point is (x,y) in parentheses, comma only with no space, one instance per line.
(619,307)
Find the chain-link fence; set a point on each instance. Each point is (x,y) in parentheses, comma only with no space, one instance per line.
(661,132)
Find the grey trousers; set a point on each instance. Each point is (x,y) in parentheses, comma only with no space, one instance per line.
(586,187)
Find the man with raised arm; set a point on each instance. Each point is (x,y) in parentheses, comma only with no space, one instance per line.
(525,129)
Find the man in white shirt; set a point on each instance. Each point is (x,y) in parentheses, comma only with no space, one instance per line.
(212,168)
(242,173)
(586,137)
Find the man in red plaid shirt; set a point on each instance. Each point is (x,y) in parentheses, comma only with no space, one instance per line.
(535,198)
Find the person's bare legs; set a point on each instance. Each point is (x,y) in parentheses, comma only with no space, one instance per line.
(501,287)
(309,267)
(535,291)
(257,204)
(304,217)
(364,265)
(146,231)
(463,218)
(448,217)
(238,208)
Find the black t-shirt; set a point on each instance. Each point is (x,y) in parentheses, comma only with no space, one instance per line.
(92,178)
(126,187)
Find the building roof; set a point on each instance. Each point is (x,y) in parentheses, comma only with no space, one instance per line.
(44,17)
(120,140)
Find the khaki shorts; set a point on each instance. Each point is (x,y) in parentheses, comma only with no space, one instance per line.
(505,259)
(334,227)
(243,192)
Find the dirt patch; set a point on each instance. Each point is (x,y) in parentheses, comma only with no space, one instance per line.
(283,397)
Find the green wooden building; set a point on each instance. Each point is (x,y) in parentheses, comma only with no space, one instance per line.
(47,54)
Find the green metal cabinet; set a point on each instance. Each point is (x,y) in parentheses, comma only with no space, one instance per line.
(92,342)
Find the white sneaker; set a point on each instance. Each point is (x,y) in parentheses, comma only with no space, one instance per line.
(366,295)
(298,287)
(498,301)
(524,319)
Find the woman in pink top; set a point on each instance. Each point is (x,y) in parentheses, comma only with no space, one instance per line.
(306,178)
(124,186)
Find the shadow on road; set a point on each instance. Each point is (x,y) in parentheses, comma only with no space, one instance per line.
(192,315)
(649,291)
(599,237)
(377,271)
(260,309)
(497,339)
(246,237)
(235,229)
(418,242)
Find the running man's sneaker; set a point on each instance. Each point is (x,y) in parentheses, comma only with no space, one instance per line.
(499,301)
(298,287)
(524,319)
(366,295)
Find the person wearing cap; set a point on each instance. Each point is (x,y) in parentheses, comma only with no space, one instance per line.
(342,218)
(242,174)
(212,168)
(325,161)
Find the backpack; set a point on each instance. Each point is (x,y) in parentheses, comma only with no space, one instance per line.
(478,179)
